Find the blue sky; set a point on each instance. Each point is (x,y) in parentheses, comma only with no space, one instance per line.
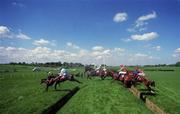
(90,31)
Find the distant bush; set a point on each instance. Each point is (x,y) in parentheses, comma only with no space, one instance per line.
(171,70)
(165,69)
(178,63)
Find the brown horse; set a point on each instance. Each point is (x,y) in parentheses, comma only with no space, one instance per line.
(113,74)
(100,73)
(55,80)
(128,79)
(147,83)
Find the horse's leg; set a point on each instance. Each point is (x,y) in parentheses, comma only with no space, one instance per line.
(125,83)
(55,86)
(88,76)
(148,87)
(133,82)
(102,78)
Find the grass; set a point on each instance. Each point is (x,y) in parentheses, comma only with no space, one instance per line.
(104,97)
(22,93)
(167,89)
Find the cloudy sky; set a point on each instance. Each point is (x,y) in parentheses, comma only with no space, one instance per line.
(90,31)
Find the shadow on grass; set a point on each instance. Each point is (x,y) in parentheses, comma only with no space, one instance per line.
(143,95)
(63,90)
(61,102)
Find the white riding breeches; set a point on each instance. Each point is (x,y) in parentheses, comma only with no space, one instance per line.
(122,72)
(141,74)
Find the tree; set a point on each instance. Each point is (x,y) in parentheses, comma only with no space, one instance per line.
(178,63)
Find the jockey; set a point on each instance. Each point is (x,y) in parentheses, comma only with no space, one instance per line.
(63,74)
(122,71)
(98,69)
(136,72)
(141,73)
(50,79)
(105,71)
(50,73)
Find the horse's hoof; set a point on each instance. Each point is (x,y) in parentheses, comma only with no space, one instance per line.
(152,91)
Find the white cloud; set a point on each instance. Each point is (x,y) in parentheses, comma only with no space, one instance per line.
(157,48)
(83,53)
(99,52)
(71,45)
(97,48)
(146,36)
(140,55)
(6,33)
(3,30)
(23,36)
(18,4)
(176,53)
(153,47)
(119,50)
(106,53)
(142,59)
(141,20)
(41,42)
(126,39)
(38,54)
(147,17)
(114,56)
(120,17)
(141,23)
(10,48)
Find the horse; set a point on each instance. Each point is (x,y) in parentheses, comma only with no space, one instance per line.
(147,83)
(114,75)
(103,73)
(44,80)
(89,71)
(55,80)
(127,79)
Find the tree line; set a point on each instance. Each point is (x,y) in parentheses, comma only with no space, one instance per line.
(49,64)
(177,64)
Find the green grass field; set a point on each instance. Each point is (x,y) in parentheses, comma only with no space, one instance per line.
(21,92)
(104,97)
(168,92)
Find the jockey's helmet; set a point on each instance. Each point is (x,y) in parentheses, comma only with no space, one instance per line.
(121,65)
(63,69)
(49,72)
